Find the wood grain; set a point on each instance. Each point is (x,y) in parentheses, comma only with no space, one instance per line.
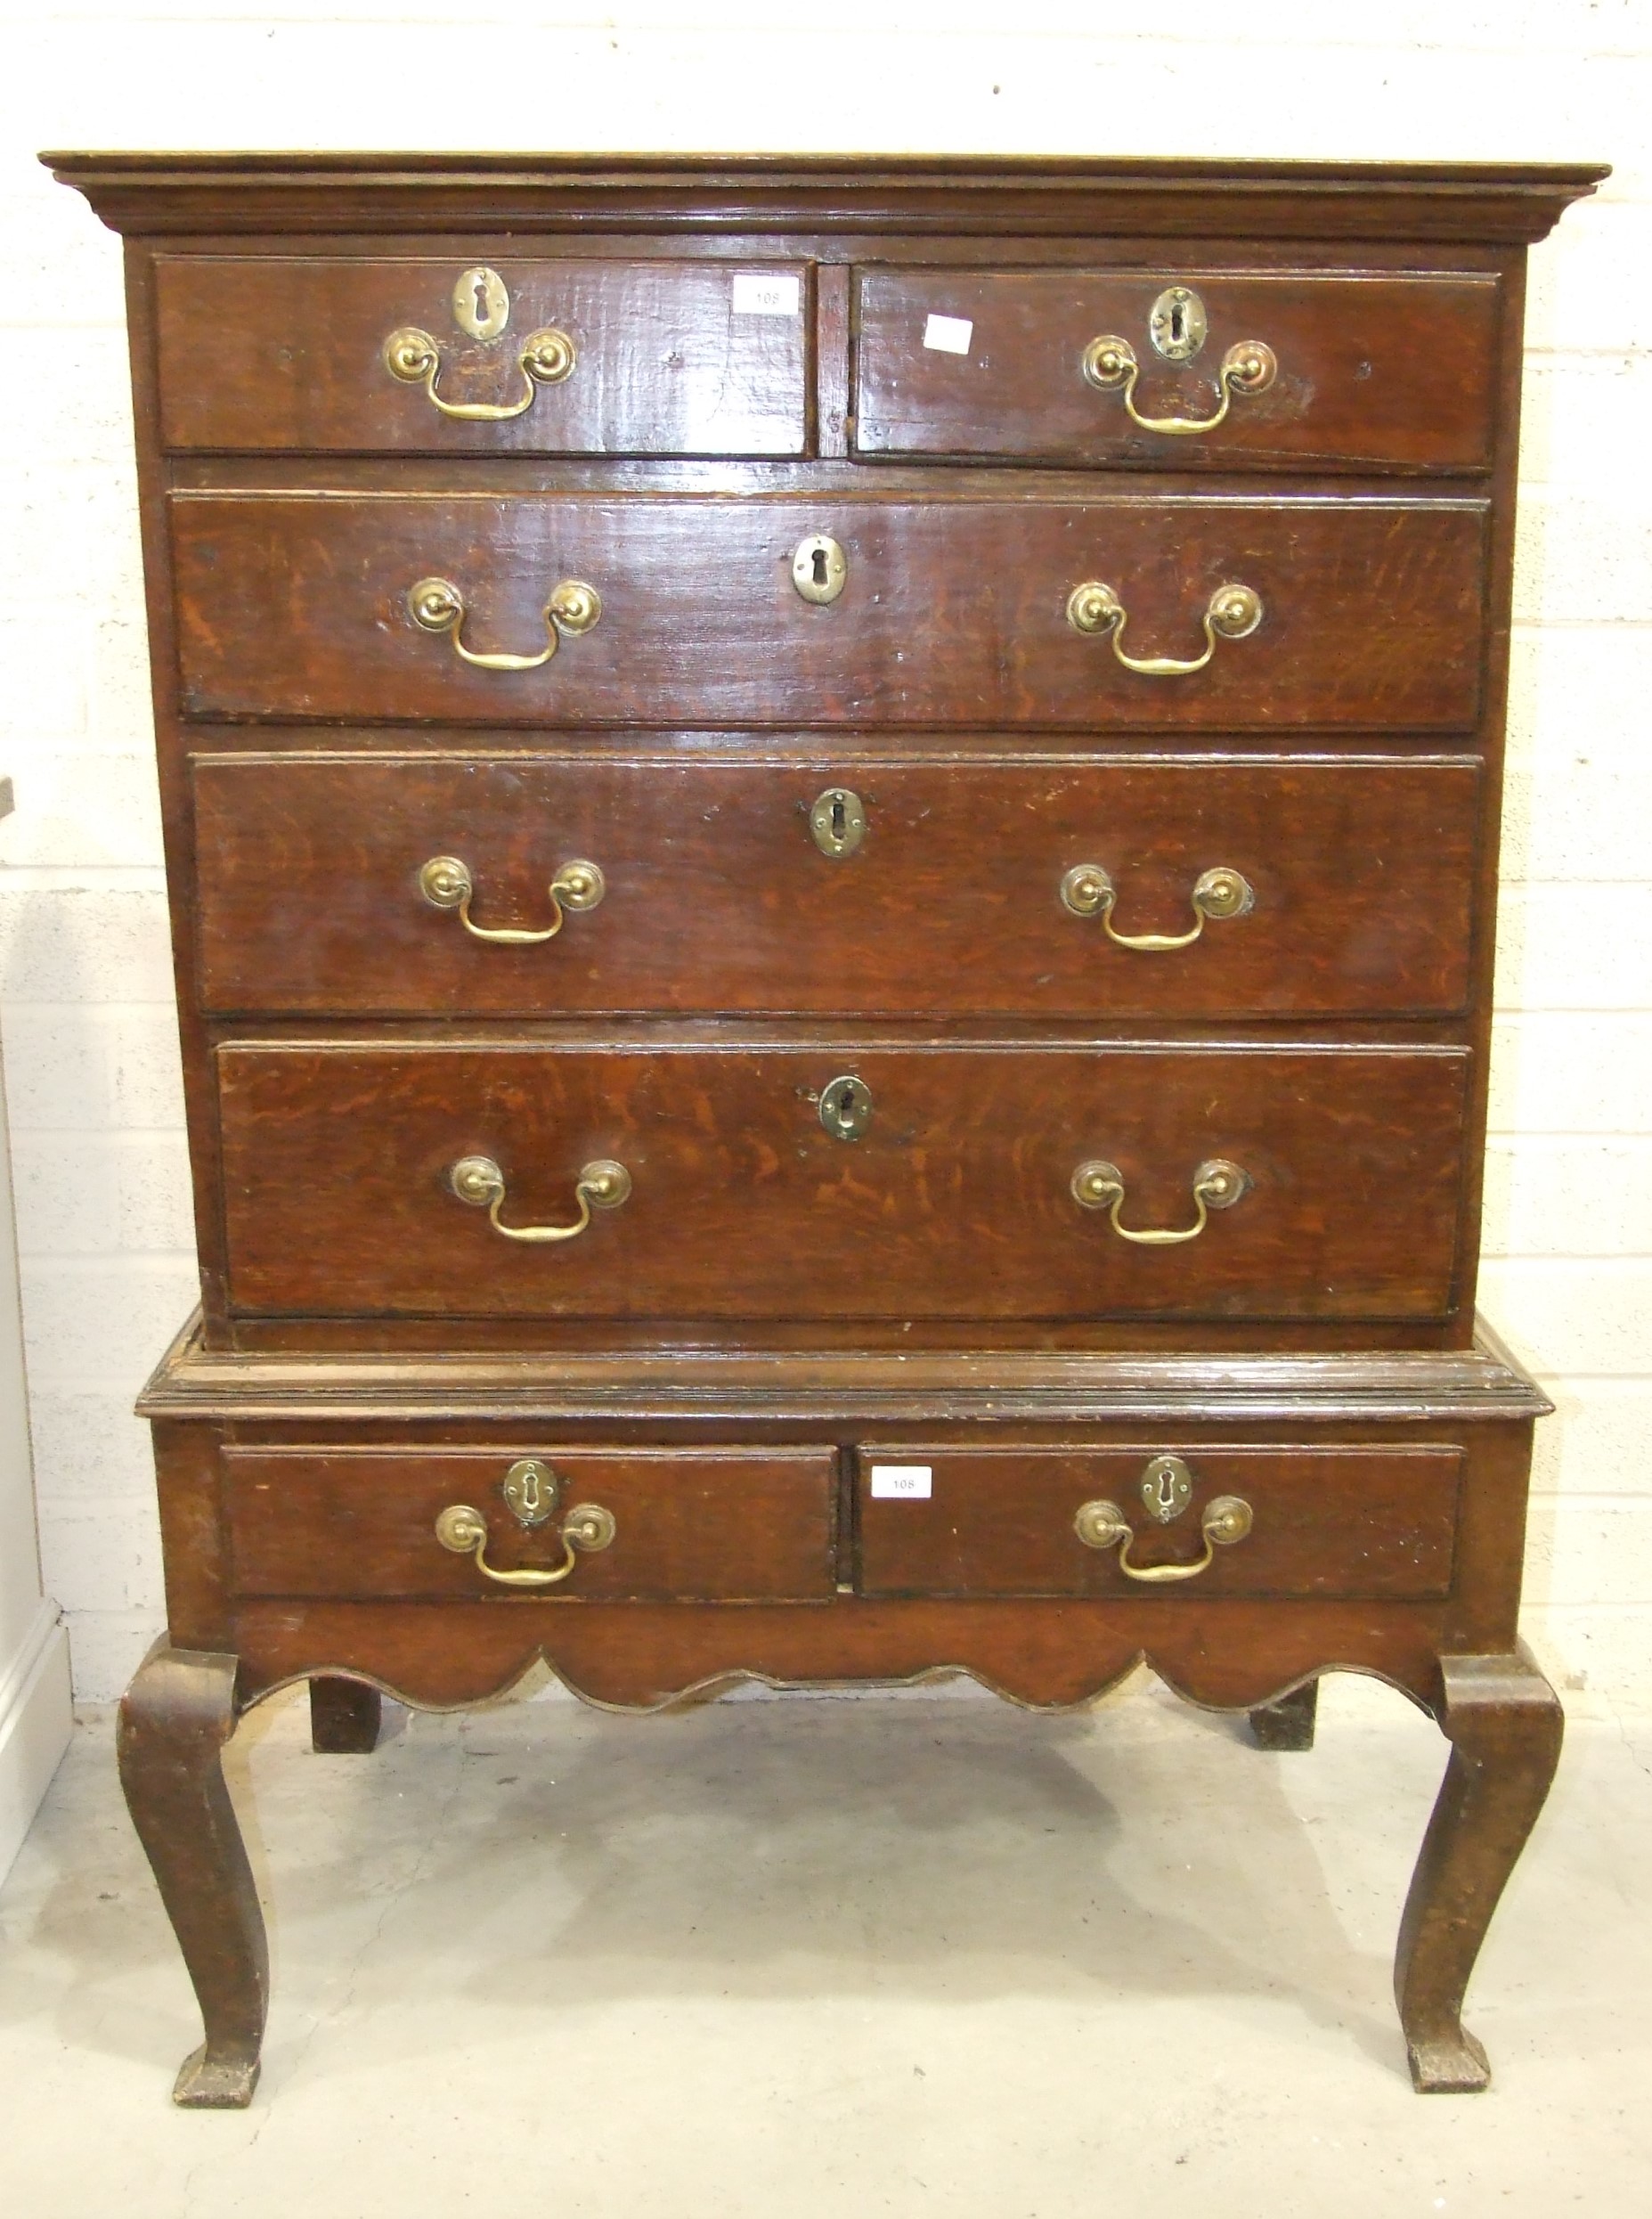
(697,1524)
(259,355)
(955,1203)
(1373,371)
(718,898)
(954,612)
(1352,1524)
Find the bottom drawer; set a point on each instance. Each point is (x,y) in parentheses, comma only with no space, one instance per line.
(1320,1523)
(724,1525)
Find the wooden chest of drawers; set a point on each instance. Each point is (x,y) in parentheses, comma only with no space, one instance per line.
(832,836)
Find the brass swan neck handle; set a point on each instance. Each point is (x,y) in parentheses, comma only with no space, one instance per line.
(1233,612)
(437,604)
(446,884)
(544,358)
(587,1528)
(1227,1519)
(1217,1185)
(1087,890)
(1110,364)
(478,1181)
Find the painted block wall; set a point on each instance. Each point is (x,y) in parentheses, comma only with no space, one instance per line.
(84,986)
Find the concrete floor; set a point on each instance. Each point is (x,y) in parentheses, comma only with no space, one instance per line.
(789,1958)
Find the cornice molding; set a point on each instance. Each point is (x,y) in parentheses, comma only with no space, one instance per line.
(217,195)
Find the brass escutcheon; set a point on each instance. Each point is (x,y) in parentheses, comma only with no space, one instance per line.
(819,568)
(1167,1488)
(837,822)
(1177,324)
(530,1488)
(481,302)
(846,1107)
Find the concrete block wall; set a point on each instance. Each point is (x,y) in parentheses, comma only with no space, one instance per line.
(84,987)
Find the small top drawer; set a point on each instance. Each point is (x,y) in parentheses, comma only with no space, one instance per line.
(262,354)
(1178,368)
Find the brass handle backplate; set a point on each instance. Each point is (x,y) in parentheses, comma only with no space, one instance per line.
(1226,1518)
(1088,891)
(544,358)
(1217,1185)
(587,1528)
(1233,612)
(601,1185)
(437,604)
(1110,364)
(446,884)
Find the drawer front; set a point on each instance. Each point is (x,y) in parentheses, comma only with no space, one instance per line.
(1344,1523)
(952,612)
(689,1525)
(276,353)
(718,895)
(1371,370)
(957,1199)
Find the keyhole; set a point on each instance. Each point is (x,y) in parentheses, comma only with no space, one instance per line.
(483,309)
(1177,324)
(840,818)
(820,566)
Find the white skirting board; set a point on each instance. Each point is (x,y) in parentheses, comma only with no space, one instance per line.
(37,1719)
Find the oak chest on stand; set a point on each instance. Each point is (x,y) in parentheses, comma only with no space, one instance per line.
(832,836)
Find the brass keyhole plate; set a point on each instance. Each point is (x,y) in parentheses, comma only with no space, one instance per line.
(1177,325)
(480,303)
(846,1107)
(1166,1489)
(837,822)
(530,1488)
(819,568)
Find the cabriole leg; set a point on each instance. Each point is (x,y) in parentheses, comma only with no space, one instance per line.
(176,1717)
(1289,1722)
(343,1718)
(1504,1723)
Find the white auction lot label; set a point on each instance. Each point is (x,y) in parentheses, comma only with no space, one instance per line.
(949,335)
(756,296)
(901,1482)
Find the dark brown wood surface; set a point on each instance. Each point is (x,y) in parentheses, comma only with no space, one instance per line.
(1374,370)
(1289,1723)
(1349,1522)
(767,1289)
(344,1717)
(956,1203)
(287,355)
(726,197)
(718,897)
(1505,1723)
(695,1524)
(953,611)
(174,1720)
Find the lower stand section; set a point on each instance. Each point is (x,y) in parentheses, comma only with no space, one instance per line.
(655,1525)
(1504,1723)
(1501,1717)
(177,1715)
